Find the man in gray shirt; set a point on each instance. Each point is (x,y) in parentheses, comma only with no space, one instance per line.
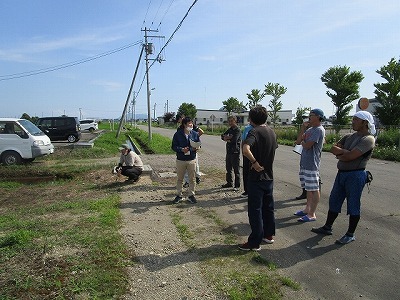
(311,137)
(353,152)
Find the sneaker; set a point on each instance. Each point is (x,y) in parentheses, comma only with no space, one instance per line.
(268,239)
(246,247)
(322,230)
(227,185)
(186,184)
(345,239)
(198,180)
(177,200)
(192,199)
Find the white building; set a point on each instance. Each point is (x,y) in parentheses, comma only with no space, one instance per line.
(212,116)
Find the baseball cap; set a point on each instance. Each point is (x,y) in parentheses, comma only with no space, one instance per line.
(318,112)
(124,146)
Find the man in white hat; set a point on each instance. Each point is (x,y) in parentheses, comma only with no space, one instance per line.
(353,152)
(130,164)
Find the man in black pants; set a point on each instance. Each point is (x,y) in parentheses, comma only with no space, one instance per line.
(130,164)
(232,160)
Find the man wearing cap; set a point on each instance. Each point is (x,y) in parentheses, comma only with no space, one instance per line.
(130,164)
(353,152)
(311,137)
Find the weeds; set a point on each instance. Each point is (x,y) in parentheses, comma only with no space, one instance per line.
(236,274)
(61,249)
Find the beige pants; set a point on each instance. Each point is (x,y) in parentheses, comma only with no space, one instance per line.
(181,167)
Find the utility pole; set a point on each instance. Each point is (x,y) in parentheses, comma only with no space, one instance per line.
(134,109)
(155,104)
(149,50)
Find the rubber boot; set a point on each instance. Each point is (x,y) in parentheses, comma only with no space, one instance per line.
(302,196)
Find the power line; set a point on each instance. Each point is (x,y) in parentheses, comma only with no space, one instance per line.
(157,12)
(162,19)
(172,35)
(66,65)
(144,21)
(169,40)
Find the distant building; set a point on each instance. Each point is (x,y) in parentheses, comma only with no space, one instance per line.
(220,116)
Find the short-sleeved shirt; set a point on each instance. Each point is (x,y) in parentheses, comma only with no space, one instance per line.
(311,158)
(262,142)
(364,143)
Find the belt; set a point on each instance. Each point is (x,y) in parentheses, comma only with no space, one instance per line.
(344,171)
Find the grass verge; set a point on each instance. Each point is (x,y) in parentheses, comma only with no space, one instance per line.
(236,274)
(59,239)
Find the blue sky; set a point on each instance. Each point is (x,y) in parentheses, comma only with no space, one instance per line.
(224,48)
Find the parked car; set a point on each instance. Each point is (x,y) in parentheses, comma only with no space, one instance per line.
(89,124)
(60,128)
(21,141)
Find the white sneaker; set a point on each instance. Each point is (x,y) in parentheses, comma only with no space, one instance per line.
(268,241)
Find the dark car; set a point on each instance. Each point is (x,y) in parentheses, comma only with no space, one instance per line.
(60,128)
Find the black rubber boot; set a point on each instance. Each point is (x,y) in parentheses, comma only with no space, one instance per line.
(302,196)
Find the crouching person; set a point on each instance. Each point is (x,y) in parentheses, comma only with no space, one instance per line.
(130,164)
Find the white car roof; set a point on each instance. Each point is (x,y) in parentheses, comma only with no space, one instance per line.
(9,119)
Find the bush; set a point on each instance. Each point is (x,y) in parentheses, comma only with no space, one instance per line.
(388,138)
(286,133)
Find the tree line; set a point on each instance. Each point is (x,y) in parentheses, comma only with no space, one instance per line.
(343,88)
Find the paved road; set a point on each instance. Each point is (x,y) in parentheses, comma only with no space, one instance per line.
(367,268)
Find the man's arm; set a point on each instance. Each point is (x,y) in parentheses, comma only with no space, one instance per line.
(254,163)
(345,155)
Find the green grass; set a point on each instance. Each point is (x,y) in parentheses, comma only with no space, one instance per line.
(236,274)
(184,233)
(91,257)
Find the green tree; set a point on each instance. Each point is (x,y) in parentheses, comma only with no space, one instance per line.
(232,104)
(168,116)
(276,91)
(345,86)
(255,98)
(188,109)
(388,94)
(300,112)
(26,117)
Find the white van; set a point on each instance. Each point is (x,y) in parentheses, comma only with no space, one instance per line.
(21,141)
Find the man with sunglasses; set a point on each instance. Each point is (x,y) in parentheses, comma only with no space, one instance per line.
(311,137)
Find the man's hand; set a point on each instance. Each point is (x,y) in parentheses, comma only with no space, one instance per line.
(185,150)
(257,167)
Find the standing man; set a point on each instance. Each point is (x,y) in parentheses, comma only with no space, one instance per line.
(259,148)
(353,152)
(185,158)
(311,137)
(130,164)
(232,158)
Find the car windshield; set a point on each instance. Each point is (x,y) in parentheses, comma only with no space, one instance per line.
(31,128)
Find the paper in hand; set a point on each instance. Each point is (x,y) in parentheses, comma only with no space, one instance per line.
(195,144)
